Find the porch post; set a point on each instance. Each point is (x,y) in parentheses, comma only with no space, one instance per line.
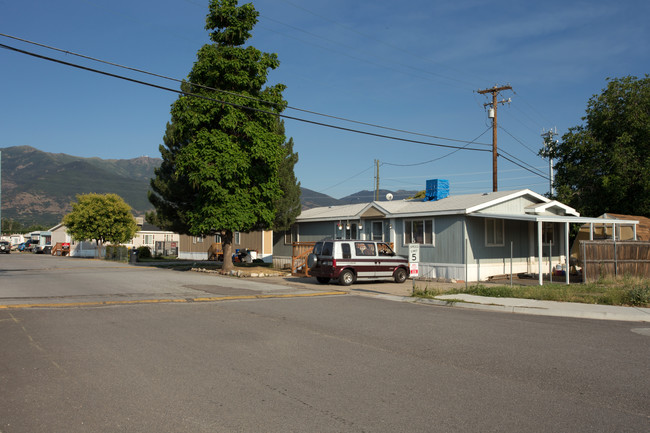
(567,251)
(539,251)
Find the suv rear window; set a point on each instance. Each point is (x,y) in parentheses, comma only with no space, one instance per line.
(327,249)
(318,247)
(347,253)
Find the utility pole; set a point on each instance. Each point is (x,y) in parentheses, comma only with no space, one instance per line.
(493,114)
(548,144)
(377,180)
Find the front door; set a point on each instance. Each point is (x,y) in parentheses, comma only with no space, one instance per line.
(377,231)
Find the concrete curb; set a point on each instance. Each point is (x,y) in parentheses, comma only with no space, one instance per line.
(531,307)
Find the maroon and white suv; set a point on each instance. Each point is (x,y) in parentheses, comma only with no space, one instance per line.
(349,260)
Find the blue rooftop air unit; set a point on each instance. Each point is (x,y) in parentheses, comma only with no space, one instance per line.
(437,189)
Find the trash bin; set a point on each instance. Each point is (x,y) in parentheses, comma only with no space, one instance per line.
(134,256)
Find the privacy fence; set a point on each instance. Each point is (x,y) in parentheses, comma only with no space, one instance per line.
(606,258)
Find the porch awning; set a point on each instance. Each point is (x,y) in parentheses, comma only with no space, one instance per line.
(566,220)
(556,219)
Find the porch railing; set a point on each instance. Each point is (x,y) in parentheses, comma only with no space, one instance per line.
(299,254)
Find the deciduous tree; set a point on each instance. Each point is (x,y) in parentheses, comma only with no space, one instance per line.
(102,218)
(604,165)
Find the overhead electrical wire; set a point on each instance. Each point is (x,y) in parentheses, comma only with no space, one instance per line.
(456,148)
(522,166)
(237,94)
(435,159)
(519,141)
(284,116)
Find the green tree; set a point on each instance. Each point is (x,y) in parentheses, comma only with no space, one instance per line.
(604,165)
(101,217)
(287,206)
(222,150)
(10,226)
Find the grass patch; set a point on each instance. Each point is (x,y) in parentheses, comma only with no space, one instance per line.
(624,291)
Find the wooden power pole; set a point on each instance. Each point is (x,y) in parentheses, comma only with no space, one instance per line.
(377,180)
(493,113)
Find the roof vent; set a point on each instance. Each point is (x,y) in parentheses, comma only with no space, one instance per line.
(437,189)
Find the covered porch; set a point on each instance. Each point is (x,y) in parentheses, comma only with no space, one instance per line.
(538,222)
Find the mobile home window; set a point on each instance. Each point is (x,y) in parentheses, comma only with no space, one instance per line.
(291,235)
(494,232)
(548,230)
(418,232)
(236,237)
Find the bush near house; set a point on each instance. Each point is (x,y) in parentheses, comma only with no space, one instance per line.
(144,252)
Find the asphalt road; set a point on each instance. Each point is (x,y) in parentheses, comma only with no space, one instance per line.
(337,363)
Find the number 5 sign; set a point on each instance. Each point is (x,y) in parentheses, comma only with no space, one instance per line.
(414,253)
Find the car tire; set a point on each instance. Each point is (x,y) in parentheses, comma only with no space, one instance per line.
(346,278)
(400,275)
(323,280)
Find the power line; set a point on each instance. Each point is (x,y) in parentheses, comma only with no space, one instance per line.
(519,141)
(435,159)
(235,94)
(284,116)
(525,168)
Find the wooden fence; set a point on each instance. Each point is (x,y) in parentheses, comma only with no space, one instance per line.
(299,255)
(606,258)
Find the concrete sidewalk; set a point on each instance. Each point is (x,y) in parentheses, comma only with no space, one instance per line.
(545,308)
(402,292)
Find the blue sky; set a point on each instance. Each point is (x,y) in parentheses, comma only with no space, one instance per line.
(413,65)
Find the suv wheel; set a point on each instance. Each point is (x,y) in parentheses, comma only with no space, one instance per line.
(346,278)
(400,275)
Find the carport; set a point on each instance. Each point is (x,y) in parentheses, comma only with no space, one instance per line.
(539,220)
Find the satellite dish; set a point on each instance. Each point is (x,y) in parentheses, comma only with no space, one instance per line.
(389,196)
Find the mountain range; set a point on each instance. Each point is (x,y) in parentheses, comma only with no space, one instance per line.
(38,187)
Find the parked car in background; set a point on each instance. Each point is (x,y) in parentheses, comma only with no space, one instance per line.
(42,249)
(25,246)
(5,247)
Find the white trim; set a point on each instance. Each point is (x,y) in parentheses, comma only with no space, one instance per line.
(556,218)
(505,198)
(538,208)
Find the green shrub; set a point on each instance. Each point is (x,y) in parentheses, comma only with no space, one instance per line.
(639,296)
(144,252)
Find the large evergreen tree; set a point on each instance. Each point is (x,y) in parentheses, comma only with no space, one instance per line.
(604,165)
(288,205)
(222,150)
